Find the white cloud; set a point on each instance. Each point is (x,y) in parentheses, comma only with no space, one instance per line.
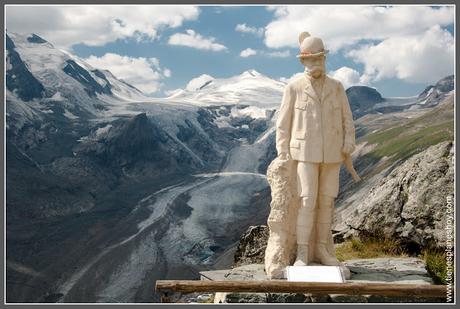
(422,58)
(198,82)
(279,54)
(405,42)
(96,25)
(167,72)
(248,52)
(275,54)
(341,26)
(248,29)
(348,76)
(288,79)
(195,40)
(143,73)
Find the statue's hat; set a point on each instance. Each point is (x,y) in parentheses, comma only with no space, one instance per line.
(310,46)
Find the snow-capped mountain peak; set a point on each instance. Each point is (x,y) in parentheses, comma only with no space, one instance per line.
(251,73)
(175,93)
(38,70)
(199,82)
(29,39)
(433,94)
(250,87)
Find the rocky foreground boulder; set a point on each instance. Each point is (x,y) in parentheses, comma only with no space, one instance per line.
(252,245)
(409,204)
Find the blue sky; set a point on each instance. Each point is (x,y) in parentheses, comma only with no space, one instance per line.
(398,50)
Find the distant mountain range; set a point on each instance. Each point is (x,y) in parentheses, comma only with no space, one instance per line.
(109,190)
(365,100)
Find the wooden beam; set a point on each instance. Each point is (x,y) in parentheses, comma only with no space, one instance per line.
(283,286)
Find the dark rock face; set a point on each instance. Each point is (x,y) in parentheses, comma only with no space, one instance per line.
(127,142)
(433,94)
(36,39)
(18,77)
(81,75)
(240,127)
(251,248)
(189,135)
(362,99)
(269,156)
(205,84)
(45,179)
(288,298)
(446,84)
(101,75)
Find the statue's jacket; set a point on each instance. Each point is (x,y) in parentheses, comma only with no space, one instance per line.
(314,127)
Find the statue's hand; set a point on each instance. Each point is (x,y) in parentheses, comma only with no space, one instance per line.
(284,156)
(348,148)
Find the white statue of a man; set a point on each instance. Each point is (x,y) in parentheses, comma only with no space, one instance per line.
(315,129)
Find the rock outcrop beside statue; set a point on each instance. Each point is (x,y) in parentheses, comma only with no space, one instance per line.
(408,204)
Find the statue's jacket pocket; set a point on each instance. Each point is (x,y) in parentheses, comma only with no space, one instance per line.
(294,144)
(299,125)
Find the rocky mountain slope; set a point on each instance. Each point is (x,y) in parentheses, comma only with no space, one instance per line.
(433,94)
(363,99)
(408,203)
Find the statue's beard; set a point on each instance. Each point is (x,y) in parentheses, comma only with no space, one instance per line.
(314,72)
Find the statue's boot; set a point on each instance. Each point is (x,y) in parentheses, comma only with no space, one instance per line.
(323,231)
(305,220)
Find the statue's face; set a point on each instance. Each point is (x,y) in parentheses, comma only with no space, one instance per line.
(314,65)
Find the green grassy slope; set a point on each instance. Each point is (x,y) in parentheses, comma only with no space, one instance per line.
(414,135)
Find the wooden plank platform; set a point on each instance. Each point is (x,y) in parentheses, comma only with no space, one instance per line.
(283,286)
